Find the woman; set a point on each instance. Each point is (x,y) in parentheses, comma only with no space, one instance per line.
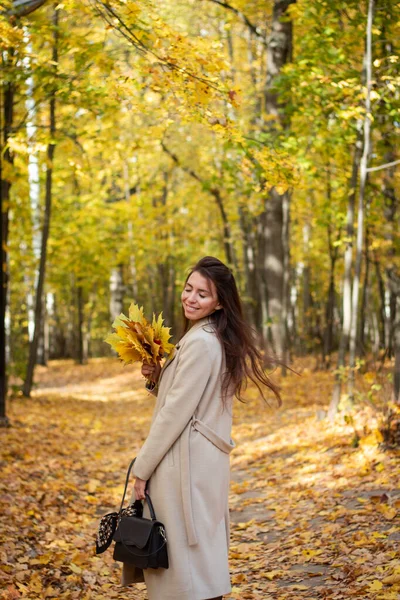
(186,453)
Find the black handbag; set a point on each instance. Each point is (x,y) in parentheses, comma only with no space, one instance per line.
(139,541)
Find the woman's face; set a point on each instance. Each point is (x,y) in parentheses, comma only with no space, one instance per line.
(199,297)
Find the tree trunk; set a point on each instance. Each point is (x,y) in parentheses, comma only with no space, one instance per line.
(19,8)
(6,157)
(394,285)
(348,259)
(375,336)
(42,351)
(387,126)
(132,260)
(116,291)
(34,194)
(81,358)
(364,298)
(286,281)
(329,314)
(391,204)
(273,219)
(46,222)
(293,307)
(228,242)
(273,268)
(305,278)
(279,53)
(361,205)
(333,255)
(330,305)
(250,293)
(88,331)
(396,347)
(382,315)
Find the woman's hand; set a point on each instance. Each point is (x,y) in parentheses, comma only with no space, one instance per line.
(139,488)
(151,371)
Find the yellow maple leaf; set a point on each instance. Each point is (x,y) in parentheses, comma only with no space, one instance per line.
(135,339)
(136,314)
(375,586)
(162,334)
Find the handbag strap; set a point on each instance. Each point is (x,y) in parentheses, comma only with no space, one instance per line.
(149,502)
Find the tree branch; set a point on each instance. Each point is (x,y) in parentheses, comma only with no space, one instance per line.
(105,11)
(22,8)
(178,163)
(253,28)
(385,166)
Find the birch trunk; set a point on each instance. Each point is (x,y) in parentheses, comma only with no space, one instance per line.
(116,291)
(46,223)
(34,188)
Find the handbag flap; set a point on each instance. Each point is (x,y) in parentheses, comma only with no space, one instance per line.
(133,531)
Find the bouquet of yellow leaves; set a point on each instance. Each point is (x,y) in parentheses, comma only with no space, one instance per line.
(136,339)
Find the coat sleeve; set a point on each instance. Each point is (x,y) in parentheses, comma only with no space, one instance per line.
(191,377)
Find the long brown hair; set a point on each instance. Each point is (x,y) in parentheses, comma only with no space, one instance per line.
(243,359)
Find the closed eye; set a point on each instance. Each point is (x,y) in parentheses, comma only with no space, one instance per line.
(189,290)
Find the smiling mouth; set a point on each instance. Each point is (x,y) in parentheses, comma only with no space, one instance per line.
(191,308)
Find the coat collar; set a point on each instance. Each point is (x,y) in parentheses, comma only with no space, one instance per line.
(196,325)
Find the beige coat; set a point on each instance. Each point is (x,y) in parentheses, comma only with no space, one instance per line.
(186,458)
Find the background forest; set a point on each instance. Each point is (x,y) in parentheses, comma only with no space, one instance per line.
(137,137)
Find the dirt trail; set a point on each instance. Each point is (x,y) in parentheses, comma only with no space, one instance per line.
(312,516)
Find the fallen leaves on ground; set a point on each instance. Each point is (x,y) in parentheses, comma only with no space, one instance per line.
(312,516)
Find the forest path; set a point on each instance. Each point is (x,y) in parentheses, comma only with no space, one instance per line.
(312,516)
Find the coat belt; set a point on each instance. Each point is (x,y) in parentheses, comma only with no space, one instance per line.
(220,443)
